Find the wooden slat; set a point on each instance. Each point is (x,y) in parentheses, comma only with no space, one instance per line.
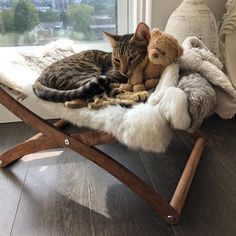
(22,149)
(40,142)
(34,144)
(94,138)
(185,181)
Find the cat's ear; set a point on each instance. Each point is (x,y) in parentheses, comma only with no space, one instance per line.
(113,38)
(142,33)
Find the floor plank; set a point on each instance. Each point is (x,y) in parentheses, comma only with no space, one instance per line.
(128,214)
(210,208)
(11,179)
(55,198)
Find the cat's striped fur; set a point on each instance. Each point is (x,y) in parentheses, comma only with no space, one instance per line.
(92,72)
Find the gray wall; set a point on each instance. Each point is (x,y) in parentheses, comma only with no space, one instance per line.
(161,10)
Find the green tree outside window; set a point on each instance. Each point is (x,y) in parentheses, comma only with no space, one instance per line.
(25,16)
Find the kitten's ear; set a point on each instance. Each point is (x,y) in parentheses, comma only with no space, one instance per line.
(112,38)
(142,33)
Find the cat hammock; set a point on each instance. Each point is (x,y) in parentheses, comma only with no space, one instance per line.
(51,136)
(112,123)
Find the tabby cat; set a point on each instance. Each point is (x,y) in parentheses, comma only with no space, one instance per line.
(91,74)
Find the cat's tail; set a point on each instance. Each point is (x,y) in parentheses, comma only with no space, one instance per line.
(94,87)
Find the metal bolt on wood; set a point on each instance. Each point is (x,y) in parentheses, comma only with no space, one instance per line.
(67,141)
(170,218)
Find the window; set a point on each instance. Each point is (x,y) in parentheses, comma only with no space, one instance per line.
(33,23)
(37,22)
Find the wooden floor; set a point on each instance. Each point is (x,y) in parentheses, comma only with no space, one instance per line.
(60,193)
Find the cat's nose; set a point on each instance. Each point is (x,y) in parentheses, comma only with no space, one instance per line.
(124,70)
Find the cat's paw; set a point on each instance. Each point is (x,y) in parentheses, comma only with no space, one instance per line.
(78,103)
(151,84)
(126,87)
(114,85)
(98,104)
(95,105)
(140,96)
(139,88)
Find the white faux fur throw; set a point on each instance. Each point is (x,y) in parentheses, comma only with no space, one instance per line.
(198,58)
(146,126)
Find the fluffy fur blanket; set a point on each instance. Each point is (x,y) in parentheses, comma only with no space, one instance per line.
(145,126)
(201,78)
(198,58)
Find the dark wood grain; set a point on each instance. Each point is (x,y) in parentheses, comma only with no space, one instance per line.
(11,180)
(55,199)
(128,214)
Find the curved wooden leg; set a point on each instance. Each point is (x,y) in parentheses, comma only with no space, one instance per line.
(22,149)
(37,143)
(40,142)
(185,181)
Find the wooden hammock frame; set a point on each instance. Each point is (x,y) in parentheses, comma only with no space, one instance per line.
(52,136)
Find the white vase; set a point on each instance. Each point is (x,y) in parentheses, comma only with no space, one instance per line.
(194,18)
(227,39)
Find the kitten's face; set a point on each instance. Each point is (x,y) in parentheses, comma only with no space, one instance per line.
(129,50)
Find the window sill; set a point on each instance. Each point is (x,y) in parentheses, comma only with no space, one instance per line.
(101,45)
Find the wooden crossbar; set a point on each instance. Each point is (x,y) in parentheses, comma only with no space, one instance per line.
(52,136)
